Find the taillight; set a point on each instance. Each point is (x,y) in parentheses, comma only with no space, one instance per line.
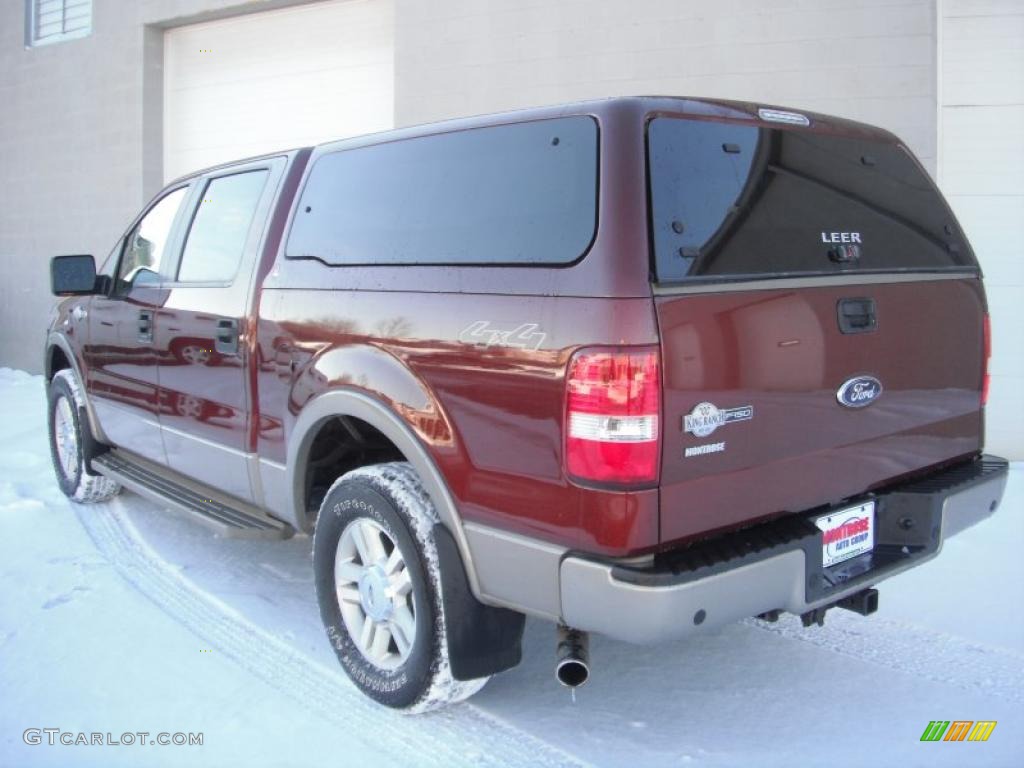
(988,354)
(613,403)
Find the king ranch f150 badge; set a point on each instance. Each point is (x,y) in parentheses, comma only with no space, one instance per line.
(705,418)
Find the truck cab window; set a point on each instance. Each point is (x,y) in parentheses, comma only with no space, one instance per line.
(216,240)
(144,249)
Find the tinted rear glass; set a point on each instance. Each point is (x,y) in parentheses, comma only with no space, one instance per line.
(732,200)
(512,194)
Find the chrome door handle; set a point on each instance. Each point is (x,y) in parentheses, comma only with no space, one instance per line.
(145,326)
(226,342)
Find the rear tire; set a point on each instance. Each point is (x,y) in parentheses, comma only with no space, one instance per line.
(379,587)
(72,442)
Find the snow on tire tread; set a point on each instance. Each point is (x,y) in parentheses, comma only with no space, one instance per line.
(399,482)
(91,488)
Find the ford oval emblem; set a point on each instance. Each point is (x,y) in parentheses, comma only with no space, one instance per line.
(859,391)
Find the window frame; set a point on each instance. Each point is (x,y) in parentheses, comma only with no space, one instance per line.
(31,19)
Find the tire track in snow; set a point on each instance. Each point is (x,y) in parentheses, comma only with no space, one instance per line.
(910,649)
(462,735)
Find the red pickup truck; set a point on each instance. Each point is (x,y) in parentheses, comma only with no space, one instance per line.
(639,367)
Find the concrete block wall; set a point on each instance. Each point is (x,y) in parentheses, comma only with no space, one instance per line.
(70,161)
(870,60)
(80,146)
(981,171)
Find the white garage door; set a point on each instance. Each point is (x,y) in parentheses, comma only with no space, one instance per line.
(981,169)
(275,80)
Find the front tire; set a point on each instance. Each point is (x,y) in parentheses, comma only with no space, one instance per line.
(70,442)
(379,588)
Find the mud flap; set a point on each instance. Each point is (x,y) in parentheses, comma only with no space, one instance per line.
(482,640)
(91,448)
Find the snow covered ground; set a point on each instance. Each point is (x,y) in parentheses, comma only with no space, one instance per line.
(123,617)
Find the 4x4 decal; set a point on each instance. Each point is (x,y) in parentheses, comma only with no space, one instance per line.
(482,333)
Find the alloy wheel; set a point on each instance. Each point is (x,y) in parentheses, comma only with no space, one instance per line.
(65,436)
(375,593)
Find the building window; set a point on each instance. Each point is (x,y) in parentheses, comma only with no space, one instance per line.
(50,21)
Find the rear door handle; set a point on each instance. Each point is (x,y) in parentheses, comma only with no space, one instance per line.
(145,326)
(857,315)
(226,342)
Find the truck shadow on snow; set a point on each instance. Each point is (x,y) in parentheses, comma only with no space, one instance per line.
(688,698)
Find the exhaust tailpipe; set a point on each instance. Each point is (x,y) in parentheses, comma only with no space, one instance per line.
(572,657)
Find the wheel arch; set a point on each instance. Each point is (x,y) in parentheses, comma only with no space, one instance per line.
(349,403)
(60,355)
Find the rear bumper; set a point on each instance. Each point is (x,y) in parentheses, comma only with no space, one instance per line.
(774,566)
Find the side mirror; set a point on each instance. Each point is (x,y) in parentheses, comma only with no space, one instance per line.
(143,276)
(73,275)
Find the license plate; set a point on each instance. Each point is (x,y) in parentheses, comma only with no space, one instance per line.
(847,533)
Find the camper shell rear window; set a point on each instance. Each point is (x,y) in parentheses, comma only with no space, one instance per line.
(735,201)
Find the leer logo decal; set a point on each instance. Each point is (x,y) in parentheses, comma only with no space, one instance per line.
(705,418)
(840,237)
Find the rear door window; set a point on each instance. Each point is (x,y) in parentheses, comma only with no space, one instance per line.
(524,193)
(220,228)
(733,201)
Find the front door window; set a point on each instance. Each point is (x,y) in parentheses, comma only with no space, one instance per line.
(147,242)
